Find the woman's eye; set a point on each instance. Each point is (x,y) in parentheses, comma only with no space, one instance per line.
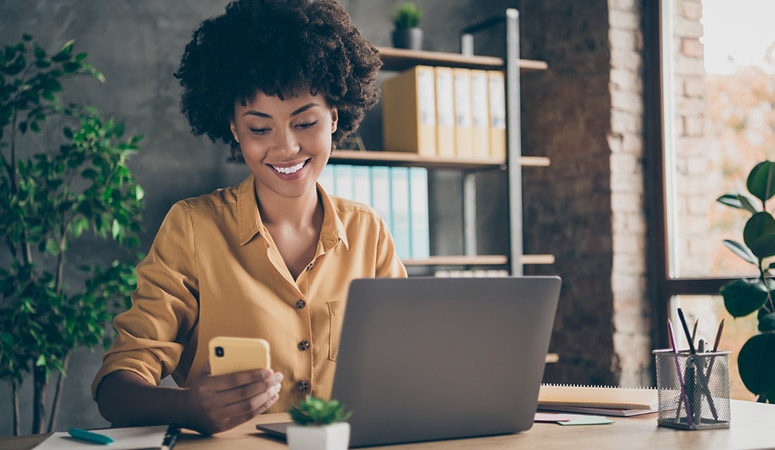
(260,130)
(307,125)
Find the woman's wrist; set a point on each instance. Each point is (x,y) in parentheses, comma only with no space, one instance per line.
(126,399)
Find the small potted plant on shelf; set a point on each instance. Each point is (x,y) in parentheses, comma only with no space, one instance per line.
(756,361)
(406,21)
(320,425)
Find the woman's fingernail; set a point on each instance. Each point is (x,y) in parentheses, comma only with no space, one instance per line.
(278,377)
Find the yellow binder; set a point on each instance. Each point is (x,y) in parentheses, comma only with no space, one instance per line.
(464,140)
(445,113)
(497,97)
(481,116)
(409,112)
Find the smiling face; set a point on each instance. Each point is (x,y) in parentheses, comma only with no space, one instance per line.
(285,143)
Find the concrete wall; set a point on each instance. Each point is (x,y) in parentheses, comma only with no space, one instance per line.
(137,45)
(585,113)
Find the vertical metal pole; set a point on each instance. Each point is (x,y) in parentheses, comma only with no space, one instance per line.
(514,139)
(469,212)
(467,44)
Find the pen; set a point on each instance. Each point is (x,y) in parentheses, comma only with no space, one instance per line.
(89,436)
(680,377)
(704,379)
(715,345)
(170,437)
(718,335)
(686,331)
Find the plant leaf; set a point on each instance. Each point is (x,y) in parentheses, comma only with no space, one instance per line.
(767,322)
(742,297)
(746,203)
(761,180)
(756,363)
(759,234)
(738,201)
(730,200)
(741,251)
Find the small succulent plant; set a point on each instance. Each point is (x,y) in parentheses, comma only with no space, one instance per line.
(314,411)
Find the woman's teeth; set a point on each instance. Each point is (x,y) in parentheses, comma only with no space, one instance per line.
(291,169)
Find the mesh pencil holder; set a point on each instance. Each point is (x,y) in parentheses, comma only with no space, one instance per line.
(693,390)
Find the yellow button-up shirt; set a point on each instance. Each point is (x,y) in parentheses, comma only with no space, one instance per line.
(213,270)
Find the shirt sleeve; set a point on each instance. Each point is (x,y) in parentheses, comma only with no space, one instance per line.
(389,265)
(165,305)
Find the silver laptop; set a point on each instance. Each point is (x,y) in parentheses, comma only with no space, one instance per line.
(438,358)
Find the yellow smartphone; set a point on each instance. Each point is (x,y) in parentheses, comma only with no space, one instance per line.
(231,354)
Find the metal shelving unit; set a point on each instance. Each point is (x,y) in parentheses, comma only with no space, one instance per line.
(400,59)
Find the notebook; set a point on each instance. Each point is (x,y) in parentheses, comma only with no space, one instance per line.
(558,397)
(123,438)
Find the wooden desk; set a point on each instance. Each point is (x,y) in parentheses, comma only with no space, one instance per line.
(750,429)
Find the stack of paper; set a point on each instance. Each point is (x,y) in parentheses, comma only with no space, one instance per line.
(609,401)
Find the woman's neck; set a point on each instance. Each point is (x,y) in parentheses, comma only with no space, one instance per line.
(299,212)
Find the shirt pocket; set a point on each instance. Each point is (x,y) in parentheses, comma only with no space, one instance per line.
(336,316)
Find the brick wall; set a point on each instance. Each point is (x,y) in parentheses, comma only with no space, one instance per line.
(589,208)
(695,243)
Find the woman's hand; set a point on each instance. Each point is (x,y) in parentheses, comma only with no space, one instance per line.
(218,403)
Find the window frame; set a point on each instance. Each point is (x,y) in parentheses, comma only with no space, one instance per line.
(657,137)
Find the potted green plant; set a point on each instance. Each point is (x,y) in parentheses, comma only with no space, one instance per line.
(756,361)
(320,425)
(49,197)
(406,21)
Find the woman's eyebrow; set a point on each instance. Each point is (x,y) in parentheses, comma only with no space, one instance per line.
(253,112)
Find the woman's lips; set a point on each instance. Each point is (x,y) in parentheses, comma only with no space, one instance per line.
(289,171)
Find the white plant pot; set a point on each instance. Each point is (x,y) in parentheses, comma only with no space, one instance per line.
(327,437)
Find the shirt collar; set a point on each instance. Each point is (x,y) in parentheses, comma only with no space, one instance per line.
(250,224)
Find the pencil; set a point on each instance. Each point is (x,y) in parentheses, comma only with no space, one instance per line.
(718,335)
(680,377)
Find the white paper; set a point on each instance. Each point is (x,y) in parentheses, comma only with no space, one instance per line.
(445,110)
(426,98)
(479,99)
(497,103)
(463,100)
(133,438)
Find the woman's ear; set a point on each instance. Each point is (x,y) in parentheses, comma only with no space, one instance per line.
(233,128)
(334,119)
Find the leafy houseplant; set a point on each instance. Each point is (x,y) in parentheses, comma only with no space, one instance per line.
(406,21)
(49,197)
(321,425)
(756,361)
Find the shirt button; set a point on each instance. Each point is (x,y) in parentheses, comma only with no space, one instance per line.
(303,345)
(311,266)
(303,386)
(301,304)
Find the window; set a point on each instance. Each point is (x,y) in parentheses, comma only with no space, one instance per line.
(715,75)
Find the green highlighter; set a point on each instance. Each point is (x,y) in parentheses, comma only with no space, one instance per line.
(89,436)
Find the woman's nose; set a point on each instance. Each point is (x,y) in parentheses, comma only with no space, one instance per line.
(287,143)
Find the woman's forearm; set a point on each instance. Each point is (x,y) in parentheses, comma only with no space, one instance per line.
(126,399)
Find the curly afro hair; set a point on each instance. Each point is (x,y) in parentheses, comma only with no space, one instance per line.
(276,47)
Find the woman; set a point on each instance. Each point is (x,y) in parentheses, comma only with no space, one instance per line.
(281,81)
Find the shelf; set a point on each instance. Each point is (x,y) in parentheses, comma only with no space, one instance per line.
(381,158)
(537,259)
(402,59)
(480,260)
